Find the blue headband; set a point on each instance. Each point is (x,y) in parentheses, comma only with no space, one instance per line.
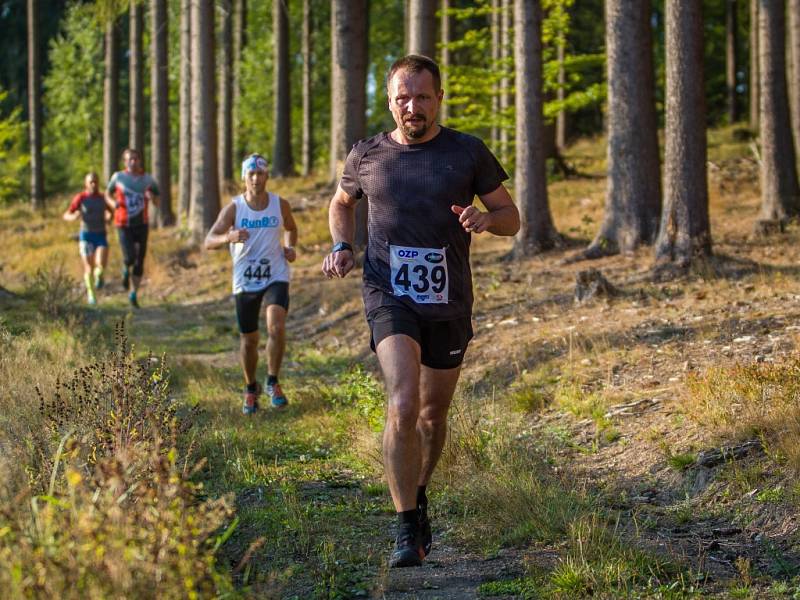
(254,162)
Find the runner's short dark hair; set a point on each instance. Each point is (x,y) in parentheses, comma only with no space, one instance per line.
(416,63)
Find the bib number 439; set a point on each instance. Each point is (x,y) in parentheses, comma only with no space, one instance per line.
(420,273)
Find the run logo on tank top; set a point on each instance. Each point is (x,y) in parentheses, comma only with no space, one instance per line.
(259,260)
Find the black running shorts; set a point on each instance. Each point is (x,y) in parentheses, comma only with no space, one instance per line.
(443,343)
(248,304)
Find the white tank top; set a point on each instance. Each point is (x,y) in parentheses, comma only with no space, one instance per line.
(259,260)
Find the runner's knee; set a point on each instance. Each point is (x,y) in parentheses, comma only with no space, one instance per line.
(249,341)
(432,419)
(402,414)
(276,329)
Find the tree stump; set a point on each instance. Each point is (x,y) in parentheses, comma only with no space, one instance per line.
(591,284)
(767,227)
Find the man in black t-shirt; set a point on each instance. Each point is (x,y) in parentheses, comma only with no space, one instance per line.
(419,181)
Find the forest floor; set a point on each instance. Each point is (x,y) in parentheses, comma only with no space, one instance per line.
(595,447)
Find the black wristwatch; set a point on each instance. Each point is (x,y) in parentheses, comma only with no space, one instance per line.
(338,247)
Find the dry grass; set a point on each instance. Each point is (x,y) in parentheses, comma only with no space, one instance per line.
(754,400)
(99,501)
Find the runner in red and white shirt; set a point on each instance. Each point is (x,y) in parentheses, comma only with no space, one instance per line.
(131,191)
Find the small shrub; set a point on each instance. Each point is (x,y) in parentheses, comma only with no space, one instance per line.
(132,528)
(523,588)
(681,461)
(55,293)
(360,389)
(110,509)
(529,399)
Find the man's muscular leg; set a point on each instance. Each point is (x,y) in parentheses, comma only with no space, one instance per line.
(436,390)
(276,327)
(248,351)
(399,356)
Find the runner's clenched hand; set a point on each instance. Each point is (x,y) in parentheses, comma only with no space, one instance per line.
(338,264)
(472,219)
(236,236)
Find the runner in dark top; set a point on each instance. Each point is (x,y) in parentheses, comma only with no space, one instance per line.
(419,181)
(131,192)
(93,209)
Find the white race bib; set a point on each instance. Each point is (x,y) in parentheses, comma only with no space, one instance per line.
(419,273)
(256,274)
(134,202)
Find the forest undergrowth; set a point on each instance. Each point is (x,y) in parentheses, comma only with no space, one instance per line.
(640,445)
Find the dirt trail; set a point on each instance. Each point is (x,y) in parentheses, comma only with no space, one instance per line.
(450,573)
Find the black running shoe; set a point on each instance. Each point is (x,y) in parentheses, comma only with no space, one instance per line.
(425,535)
(407,553)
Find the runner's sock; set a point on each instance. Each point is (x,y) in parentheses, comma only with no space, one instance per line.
(87,279)
(252,387)
(422,499)
(409,516)
(272,379)
(98,276)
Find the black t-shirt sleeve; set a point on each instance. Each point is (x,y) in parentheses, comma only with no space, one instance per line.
(350,182)
(489,174)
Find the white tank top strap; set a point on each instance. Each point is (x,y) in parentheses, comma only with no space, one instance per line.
(259,260)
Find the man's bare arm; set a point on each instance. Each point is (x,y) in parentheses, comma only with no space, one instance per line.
(501,218)
(222,231)
(289,231)
(342,223)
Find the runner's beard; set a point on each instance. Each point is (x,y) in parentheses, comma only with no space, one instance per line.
(415,133)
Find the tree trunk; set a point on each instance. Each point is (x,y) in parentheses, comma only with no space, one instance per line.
(226,93)
(794,79)
(730,59)
(444,62)
(35,107)
(494,27)
(135,66)
(755,94)
(239,42)
(185,115)
(406,23)
(282,163)
(205,185)
(685,231)
(561,118)
(308,124)
(780,196)
(505,96)
(348,89)
(159,109)
(537,232)
(110,101)
(422,27)
(633,193)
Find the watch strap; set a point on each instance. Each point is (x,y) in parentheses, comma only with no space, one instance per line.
(339,246)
